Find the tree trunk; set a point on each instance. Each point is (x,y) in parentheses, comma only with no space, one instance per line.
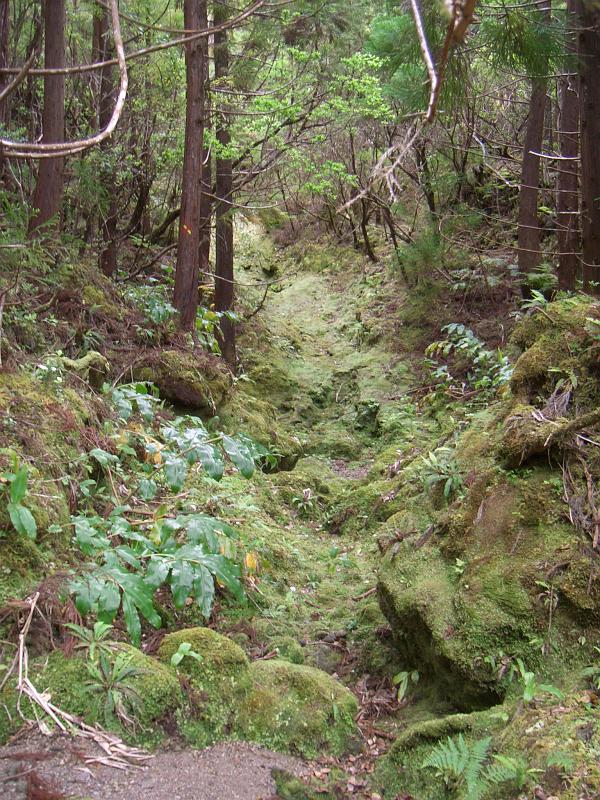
(4,31)
(529,230)
(364,221)
(568,200)
(186,273)
(108,214)
(48,194)
(224,279)
(205,215)
(589,114)
(206,187)
(425,179)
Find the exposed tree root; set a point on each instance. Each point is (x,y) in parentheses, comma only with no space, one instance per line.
(532,434)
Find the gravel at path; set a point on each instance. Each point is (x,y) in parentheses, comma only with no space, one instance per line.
(226,771)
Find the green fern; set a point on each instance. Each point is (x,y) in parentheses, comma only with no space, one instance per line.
(463,768)
(510,768)
(460,764)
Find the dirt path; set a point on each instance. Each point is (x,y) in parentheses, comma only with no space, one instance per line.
(328,370)
(36,767)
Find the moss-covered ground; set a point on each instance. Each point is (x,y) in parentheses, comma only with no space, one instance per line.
(359,567)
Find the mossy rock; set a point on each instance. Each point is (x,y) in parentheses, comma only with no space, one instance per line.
(557,344)
(417,593)
(242,412)
(276,703)
(366,503)
(219,682)
(310,473)
(289,649)
(334,443)
(192,379)
(546,733)
(401,769)
(66,680)
(451,618)
(298,709)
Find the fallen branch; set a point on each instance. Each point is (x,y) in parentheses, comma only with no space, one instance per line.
(366,594)
(118,754)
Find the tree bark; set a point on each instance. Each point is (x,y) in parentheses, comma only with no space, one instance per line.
(206,184)
(4,32)
(206,202)
(48,194)
(425,178)
(224,278)
(589,113)
(185,297)
(567,203)
(528,230)
(108,214)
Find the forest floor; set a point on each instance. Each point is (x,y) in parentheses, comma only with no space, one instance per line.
(328,363)
(65,767)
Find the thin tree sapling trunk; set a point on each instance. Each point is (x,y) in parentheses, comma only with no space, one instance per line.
(48,194)
(567,203)
(108,214)
(529,230)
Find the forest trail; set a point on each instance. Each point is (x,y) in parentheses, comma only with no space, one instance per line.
(326,373)
(66,767)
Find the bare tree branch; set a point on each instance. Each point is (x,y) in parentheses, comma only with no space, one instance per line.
(234,21)
(12,149)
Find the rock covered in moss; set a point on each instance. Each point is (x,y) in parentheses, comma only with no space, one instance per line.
(401,769)
(557,343)
(465,593)
(555,743)
(289,649)
(300,709)
(284,706)
(219,676)
(192,379)
(259,419)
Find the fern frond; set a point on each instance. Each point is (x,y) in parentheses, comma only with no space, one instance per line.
(503,769)
(462,763)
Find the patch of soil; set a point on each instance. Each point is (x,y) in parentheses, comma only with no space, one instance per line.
(344,470)
(63,767)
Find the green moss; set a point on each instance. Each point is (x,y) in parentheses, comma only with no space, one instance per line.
(22,564)
(298,709)
(401,769)
(190,379)
(41,428)
(337,443)
(259,419)
(289,649)
(555,345)
(417,594)
(98,293)
(219,682)
(288,787)
(276,703)
(67,681)
(545,729)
